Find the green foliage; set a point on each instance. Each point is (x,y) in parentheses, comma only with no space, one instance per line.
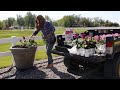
(2,25)
(92,43)
(30,20)
(5,61)
(27,44)
(20,20)
(11,21)
(15,23)
(101,42)
(78,21)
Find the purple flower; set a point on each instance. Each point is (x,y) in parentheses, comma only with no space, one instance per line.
(76,35)
(83,35)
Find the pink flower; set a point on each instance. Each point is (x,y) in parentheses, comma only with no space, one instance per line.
(108,35)
(103,37)
(116,34)
(97,38)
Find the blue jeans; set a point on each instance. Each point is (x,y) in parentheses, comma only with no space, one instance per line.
(49,47)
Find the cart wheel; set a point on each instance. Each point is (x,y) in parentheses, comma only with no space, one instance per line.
(112,68)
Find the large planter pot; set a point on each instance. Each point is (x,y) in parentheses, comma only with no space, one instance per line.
(23,57)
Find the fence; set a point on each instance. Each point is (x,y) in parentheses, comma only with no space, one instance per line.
(14,40)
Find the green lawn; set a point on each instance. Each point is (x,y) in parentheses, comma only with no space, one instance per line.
(18,33)
(27,33)
(5,61)
(40,54)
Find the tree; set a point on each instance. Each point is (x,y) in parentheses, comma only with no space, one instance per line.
(55,23)
(33,21)
(86,22)
(10,21)
(115,24)
(68,21)
(2,25)
(60,22)
(20,20)
(6,22)
(30,20)
(15,23)
(77,20)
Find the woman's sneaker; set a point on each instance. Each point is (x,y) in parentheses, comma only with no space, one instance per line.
(50,65)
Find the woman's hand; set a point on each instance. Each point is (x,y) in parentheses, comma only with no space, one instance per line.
(31,37)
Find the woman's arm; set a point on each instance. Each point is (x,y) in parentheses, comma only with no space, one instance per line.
(35,32)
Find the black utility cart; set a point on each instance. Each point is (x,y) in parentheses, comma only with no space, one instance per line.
(110,62)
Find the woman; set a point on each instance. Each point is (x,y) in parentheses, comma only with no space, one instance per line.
(47,30)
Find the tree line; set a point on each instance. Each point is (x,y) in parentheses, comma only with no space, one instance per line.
(79,21)
(28,21)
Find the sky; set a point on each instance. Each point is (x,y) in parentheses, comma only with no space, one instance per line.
(113,16)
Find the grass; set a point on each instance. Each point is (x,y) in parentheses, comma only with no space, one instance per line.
(27,33)
(5,47)
(18,33)
(40,54)
(5,61)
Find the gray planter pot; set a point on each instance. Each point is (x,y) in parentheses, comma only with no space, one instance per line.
(23,57)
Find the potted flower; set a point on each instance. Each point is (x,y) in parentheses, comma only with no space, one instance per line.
(82,49)
(87,49)
(101,44)
(92,46)
(24,53)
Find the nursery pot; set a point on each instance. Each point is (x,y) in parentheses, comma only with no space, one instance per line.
(92,51)
(87,52)
(82,51)
(23,57)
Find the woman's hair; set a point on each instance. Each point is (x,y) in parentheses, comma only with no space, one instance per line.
(41,20)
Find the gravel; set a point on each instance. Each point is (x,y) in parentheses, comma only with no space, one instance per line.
(39,71)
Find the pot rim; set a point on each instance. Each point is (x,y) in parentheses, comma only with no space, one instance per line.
(21,48)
